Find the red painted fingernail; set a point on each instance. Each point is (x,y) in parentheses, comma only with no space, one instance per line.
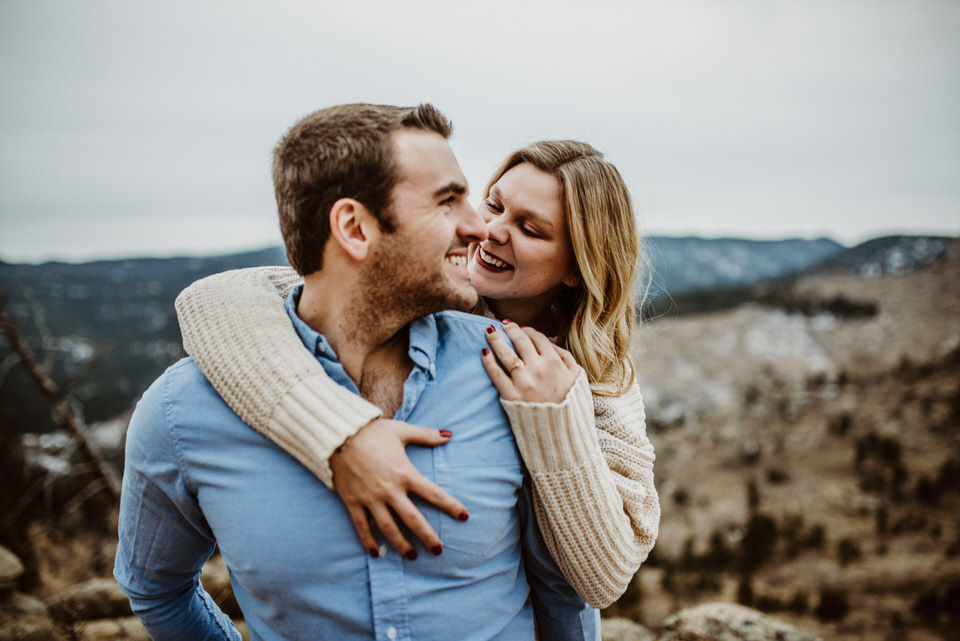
(485,351)
(411,555)
(505,321)
(463,516)
(374,552)
(490,329)
(437,550)
(446,433)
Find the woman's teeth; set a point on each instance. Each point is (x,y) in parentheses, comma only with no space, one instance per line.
(459,261)
(492,260)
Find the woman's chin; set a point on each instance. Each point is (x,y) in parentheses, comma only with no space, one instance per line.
(492,285)
(482,285)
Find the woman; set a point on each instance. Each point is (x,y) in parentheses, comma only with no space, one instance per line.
(561,260)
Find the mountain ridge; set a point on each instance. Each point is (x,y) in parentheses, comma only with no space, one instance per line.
(74,313)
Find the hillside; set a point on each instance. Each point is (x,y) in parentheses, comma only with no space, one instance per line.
(813,452)
(107,326)
(807,435)
(686,264)
(110,326)
(771,287)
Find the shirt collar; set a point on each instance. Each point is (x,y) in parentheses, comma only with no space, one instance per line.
(313,340)
(423,337)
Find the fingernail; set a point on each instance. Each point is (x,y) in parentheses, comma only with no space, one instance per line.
(411,555)
(437,550)
(490,329)
(485,351)
(505,321)
(374,552)
(463,516)
(446,433)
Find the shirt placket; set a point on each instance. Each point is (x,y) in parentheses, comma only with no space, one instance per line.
(388,596)
(388,590)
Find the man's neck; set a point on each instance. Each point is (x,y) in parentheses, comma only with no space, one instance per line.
(371,343)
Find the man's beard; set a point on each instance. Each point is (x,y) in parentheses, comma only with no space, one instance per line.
(396,286)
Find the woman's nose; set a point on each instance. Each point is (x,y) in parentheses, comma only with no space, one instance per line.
(496,230)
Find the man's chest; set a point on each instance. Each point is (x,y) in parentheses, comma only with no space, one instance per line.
(384,389)
(289,542)
(383,382)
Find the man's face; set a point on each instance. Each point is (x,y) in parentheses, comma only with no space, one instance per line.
(422,267)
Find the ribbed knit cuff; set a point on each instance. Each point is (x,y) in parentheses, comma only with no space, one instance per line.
(556,436)
(293,422)
(590,535)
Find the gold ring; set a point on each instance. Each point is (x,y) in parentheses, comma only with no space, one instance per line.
(519,363)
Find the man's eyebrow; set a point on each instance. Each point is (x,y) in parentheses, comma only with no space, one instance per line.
(452,187)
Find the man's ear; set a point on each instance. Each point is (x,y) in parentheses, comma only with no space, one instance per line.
(353,227)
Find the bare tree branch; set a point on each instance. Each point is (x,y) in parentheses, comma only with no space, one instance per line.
(83,496)
(61,409)
(47,342)
(22,503)
(7,365)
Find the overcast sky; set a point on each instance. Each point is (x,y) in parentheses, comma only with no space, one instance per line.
(145,128)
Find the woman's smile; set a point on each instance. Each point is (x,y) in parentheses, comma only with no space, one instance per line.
(490,262)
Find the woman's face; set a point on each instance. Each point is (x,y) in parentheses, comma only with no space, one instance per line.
(527,256)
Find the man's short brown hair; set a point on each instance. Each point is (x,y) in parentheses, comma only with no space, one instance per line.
(340,152)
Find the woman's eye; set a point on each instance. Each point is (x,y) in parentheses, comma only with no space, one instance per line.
(492,206)
(529,231)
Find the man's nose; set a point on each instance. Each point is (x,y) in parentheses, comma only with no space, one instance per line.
(471,229)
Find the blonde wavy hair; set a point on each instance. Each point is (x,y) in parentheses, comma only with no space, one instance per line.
(597,317)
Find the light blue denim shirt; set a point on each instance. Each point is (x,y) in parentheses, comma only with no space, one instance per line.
(196,476)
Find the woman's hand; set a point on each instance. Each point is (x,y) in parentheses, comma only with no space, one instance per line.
(372,474)
(539,371)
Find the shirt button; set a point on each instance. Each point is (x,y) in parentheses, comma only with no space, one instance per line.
(391,632)
(383,552)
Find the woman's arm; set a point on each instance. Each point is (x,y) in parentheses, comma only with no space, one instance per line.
(592,470)
(237,330)
(235,327)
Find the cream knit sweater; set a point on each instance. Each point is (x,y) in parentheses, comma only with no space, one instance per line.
(589,457)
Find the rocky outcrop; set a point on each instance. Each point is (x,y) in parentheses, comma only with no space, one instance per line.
(10,570)
(94,599)
(617,629)
(22,617)
(125,629)
(25,618)
(729,622)
(98,610)
(95,610)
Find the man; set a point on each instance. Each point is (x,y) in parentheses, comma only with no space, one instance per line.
(374,215)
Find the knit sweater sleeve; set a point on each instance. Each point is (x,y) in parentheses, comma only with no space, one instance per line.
(236,329)
(592,470)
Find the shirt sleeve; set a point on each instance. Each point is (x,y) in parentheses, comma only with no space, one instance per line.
(164,538)
(594,496)
(559,612)
(235,327)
